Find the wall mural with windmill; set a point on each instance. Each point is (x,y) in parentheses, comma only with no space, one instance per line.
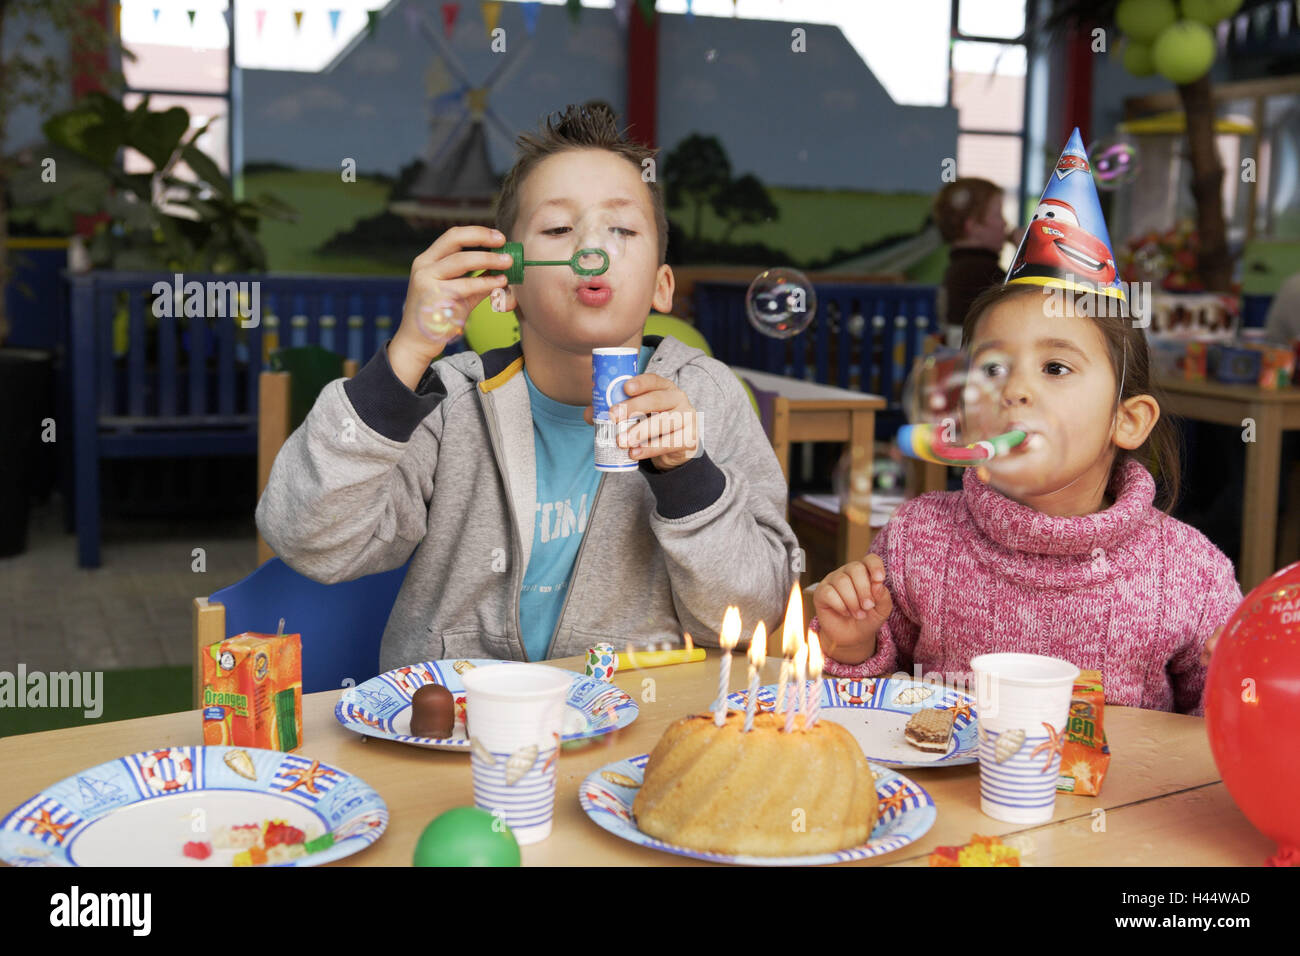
(411,126)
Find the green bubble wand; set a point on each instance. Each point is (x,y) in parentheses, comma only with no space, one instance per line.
(515,273)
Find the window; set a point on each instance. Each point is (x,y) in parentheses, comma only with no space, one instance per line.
(988,63)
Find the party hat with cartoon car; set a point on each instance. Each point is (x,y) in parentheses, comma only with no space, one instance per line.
(1066,243)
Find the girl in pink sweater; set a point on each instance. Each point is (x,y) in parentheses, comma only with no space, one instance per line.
(1063,552)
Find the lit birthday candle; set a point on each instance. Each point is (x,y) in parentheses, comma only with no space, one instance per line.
(757,658)
(778,706)
(791,628)
(815,663)
(800,690)
(729,638)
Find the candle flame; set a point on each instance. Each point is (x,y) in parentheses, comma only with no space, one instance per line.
(801,659)
(816,660)
(690,645)
(758,646)
(793,626)
(731,628)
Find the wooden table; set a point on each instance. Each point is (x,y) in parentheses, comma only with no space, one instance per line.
(1273,412)
(1163,801)
(809,411)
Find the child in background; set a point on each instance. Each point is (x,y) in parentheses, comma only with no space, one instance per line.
(479,468)
(1063,552)
(968,213)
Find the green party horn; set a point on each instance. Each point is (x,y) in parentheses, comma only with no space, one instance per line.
(515,273)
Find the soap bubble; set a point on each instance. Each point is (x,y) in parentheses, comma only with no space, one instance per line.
(960,399)
(852,481)
(1115,162)
(440,316)
(780,303)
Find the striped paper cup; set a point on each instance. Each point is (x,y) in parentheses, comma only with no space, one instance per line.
(1023,703)
(515,714)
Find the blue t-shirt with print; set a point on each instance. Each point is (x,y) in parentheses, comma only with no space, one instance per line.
(566,488)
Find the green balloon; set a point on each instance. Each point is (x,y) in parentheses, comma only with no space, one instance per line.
(1184,52)
(1137,58)
(1145,19)
(1203,11)
(466,836)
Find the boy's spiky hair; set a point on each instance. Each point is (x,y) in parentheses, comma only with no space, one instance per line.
(590,126)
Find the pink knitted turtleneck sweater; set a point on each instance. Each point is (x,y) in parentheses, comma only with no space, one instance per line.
(1127,591)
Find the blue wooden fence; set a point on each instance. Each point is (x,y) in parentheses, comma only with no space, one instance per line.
(862,337)
(149,381)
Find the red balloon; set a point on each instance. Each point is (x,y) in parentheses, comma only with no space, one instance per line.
(1252,708)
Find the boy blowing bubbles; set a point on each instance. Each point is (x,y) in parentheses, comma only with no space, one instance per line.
(480,470)
(563,316)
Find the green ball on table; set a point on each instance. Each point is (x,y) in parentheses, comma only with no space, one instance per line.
(466,836)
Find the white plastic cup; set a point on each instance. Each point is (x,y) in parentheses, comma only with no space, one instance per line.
(515,714)
(1015,695)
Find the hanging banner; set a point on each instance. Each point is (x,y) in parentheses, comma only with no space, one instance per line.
(531,10)
(491,15)
(449,12)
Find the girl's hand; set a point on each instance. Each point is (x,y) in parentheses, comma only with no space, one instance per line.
(1208,650)
(852,603)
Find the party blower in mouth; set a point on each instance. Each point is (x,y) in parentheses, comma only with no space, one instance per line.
(515,273)
(923,441)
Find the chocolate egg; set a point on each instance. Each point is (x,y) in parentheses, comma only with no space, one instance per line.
(433,712)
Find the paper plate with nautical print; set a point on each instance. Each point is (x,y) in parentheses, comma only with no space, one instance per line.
(381,707)
(196,806)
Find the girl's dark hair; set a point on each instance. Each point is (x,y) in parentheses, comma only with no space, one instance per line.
(1130,359)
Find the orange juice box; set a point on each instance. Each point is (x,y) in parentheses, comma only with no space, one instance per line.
(252,692)
(1085,755)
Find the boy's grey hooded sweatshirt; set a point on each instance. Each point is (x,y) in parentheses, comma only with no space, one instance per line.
(377,472)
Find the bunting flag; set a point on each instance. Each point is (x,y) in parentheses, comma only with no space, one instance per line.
(449,12)
(622,10)
(334,21)
(575,9)
(190,14)
(690,14)
(491,15)
(260,17)
(117,18)
(372,22)
(156,11)
(531,10)
(297,19)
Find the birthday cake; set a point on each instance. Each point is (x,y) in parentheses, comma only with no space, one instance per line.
(762,793)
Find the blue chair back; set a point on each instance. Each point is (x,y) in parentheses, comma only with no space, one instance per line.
(341,624)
